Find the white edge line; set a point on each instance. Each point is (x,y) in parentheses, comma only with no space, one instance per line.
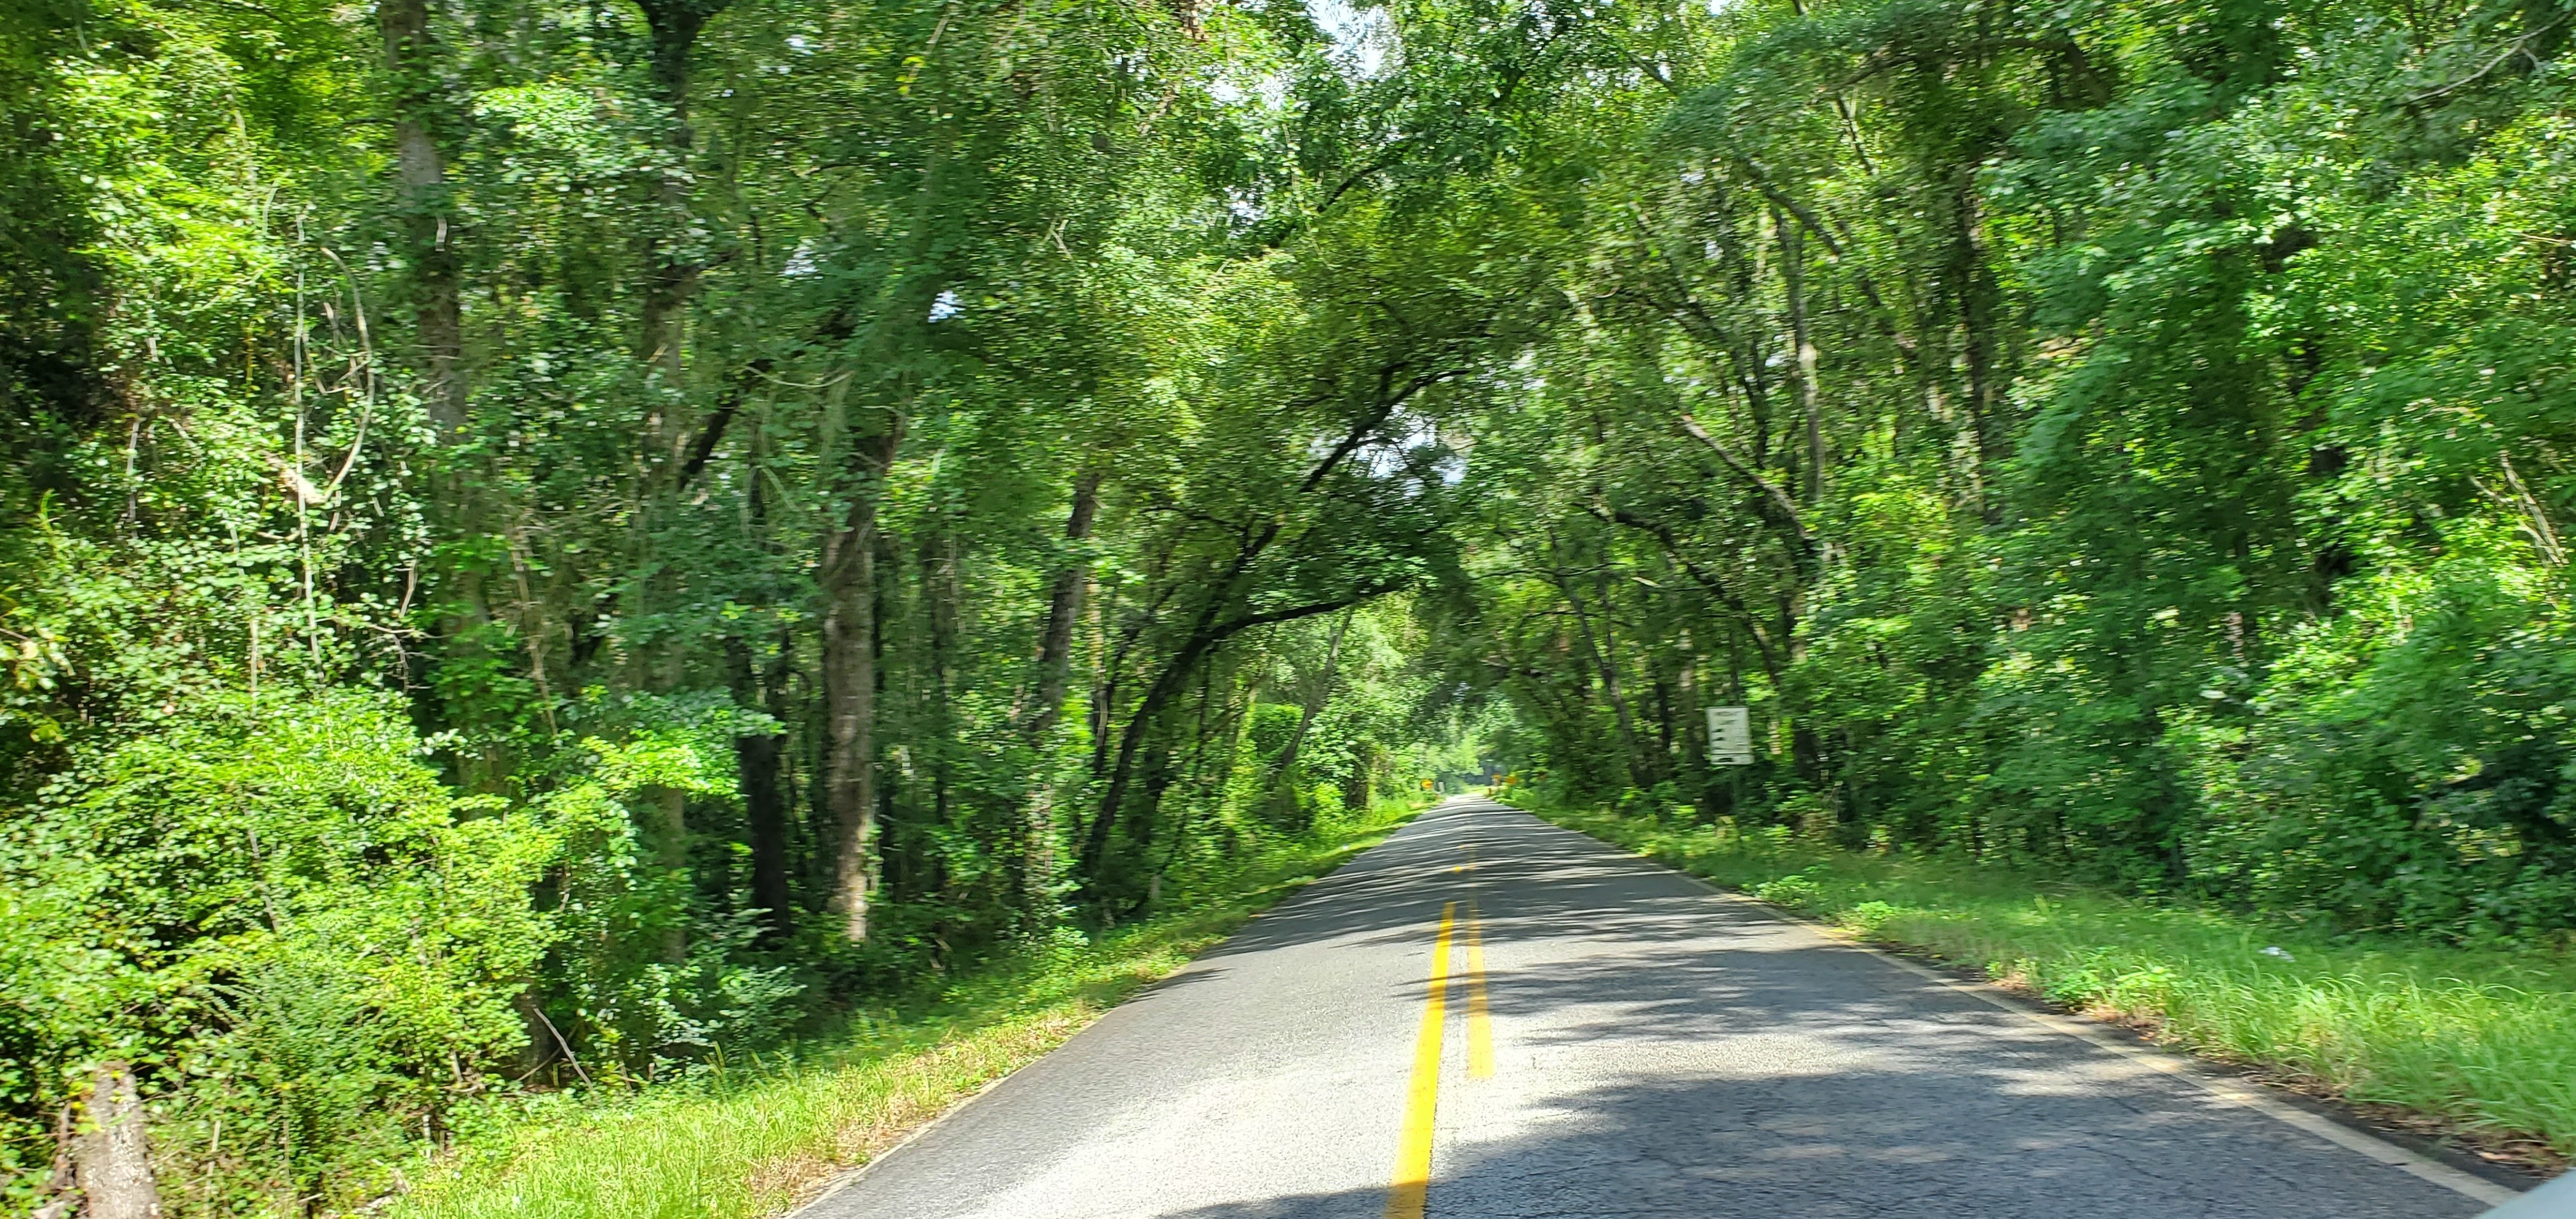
(2405,1159)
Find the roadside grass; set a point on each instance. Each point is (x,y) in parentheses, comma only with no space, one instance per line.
(2481,1042)
(762,1135)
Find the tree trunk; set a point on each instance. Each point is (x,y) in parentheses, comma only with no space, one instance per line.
(1793,281)
(849,579)
(433,282)
(1651,764)
(942,592)
(764,801)
(1159,772)
(669,834)
(1308,708)
(1207,638)
(1064,610)
(1211,629)
(420,176)
(1979,300)
(1046,701)
(113,1157)
(1609,672)
(849,693)
(671,277)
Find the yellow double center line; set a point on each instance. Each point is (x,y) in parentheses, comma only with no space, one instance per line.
(1412,1184)
(1413,1149)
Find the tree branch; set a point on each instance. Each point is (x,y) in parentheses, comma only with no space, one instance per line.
(1781,498)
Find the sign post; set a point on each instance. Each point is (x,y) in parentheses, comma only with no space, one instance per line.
(1730,736)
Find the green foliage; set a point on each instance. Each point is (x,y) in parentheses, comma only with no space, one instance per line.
(2100,437)
(645,983)
(278,903)
(687,517)
(474,486)
(1795,892)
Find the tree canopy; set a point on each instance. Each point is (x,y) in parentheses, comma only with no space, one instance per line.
(543,540)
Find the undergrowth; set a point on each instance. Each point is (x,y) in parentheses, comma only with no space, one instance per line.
(759,1134)
(2482,1040)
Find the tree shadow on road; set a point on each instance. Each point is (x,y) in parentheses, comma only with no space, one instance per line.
(1885,1144)
(1703,1058)
(1746,1068)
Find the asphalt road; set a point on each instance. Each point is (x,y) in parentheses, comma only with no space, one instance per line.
(1607,1039)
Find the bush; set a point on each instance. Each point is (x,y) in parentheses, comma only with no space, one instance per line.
(1794,892)
(278,912)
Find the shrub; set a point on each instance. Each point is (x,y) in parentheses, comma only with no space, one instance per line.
(281,915)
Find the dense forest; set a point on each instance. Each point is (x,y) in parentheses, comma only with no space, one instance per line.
(541,542)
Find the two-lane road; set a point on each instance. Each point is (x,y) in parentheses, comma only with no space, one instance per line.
(1600,1037)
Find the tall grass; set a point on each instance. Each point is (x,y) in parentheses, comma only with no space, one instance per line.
(761,1135)
(2483,1040)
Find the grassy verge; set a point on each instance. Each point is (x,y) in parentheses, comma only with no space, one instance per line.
(2472,1042)
(760,1136)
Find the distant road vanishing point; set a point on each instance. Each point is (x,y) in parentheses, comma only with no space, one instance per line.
(1489,1016)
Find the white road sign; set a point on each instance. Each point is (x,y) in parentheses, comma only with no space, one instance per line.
(1730,736)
